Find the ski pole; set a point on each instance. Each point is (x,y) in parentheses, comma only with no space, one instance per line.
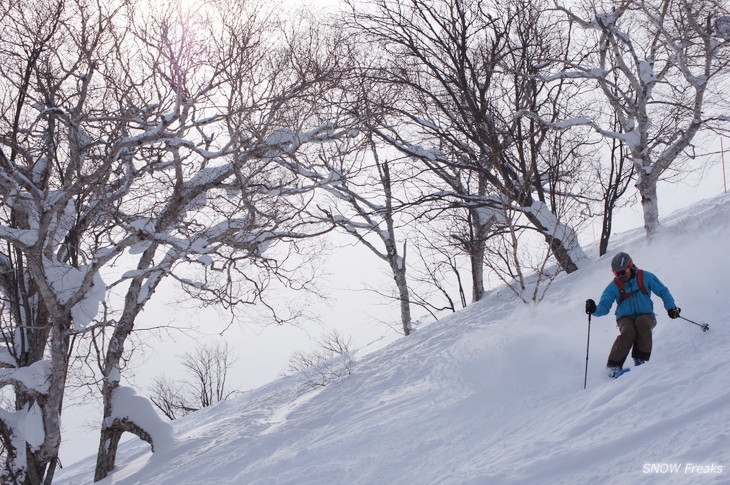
(704,326)
(588,346)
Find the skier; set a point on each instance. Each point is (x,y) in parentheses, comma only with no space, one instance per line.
(631,289)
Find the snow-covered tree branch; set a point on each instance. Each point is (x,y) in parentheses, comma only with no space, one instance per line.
(151,140)
(450,77)
(657,65)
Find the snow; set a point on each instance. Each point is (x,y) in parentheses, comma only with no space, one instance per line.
(208,175)
(200,244)
(205,260)
(632,139)
(492,394)
(35,376)
(67,283)
(65,279)
(86,309)
(33,424)
(144,225)
(126,404)
(604,20)
(558,230)
(115,375)
(566,75)
(646,72)
(281,136)
(6,358)
(139,247)
(421,152)
(27,426)
(722,27)
(26,237)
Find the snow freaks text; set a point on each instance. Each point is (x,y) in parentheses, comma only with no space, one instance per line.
(683,468)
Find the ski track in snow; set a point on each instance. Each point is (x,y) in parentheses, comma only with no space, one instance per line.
(491,395)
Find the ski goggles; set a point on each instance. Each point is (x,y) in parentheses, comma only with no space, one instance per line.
(622,272)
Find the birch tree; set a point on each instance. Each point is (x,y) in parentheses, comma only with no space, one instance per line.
(50,287)
(657,65)
(451,61)
(229,194)
(137,141)
(368,197)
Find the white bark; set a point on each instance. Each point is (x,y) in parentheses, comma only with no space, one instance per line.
(655,79)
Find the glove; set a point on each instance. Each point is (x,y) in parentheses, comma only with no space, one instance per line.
(674,312)
(591,307)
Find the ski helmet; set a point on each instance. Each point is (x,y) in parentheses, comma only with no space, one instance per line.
(621,261)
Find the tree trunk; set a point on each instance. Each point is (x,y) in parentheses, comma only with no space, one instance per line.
(111,430)
(40,463)
(398,267)
(476,259)
(620,177)
(647,189)
(397,263)
(561,253)
(111,434)
(404,297)
(107,455)
(561,238)
(477,246)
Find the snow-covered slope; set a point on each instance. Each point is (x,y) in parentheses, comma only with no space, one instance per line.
(493,395)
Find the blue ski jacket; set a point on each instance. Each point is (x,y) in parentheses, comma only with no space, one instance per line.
(637,303)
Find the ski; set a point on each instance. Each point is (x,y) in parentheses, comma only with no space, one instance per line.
(622,372)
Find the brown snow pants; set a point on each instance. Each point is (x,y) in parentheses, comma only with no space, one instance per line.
(636,333)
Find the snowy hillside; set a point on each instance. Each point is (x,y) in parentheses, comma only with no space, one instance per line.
(493,395)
